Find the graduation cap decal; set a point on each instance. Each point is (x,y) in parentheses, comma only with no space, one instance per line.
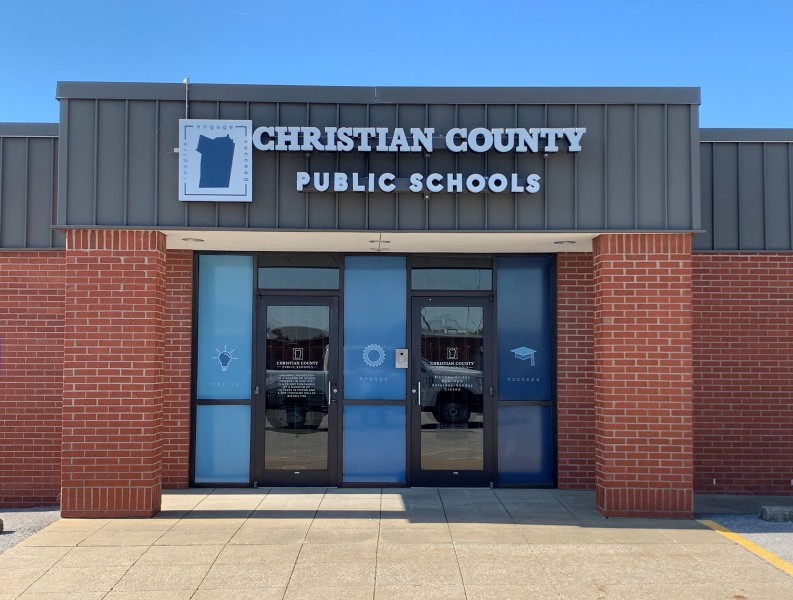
(524,353)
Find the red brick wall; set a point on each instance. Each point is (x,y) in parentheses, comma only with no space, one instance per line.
(743,373)
(176,378)
(575,371)
(31,377)
(643,375)
(113,373)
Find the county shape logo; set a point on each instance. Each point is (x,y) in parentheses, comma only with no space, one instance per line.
(215,160)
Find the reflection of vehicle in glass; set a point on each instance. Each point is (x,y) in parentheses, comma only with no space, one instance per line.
(450,393)
(297,377)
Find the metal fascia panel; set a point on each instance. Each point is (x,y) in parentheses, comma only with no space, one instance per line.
(28,130)
(746,135)
(385,95)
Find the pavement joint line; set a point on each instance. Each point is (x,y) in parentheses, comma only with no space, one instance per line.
(755,549)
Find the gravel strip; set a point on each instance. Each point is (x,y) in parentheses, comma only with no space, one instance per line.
(20,523)
(774,537)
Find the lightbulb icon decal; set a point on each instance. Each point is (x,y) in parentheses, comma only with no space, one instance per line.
(224,357)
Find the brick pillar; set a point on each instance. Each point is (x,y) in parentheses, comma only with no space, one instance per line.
(643,375)
(575,402)
(112,376)
(177,376)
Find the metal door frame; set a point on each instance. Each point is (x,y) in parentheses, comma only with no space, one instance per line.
(332,475)
(487,476)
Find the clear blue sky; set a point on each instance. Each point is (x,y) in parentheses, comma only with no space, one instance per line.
(739,53)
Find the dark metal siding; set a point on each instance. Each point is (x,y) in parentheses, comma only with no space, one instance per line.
(747,191)
(636,170)
(28,186)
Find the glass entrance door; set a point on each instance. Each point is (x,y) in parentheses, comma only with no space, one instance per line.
(296,437)
(452,394)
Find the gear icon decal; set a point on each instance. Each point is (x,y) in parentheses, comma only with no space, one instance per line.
(374,355)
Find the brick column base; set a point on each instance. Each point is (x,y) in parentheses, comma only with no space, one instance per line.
(112,378)
(643,375)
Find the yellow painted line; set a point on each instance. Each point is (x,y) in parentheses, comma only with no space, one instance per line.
(767,556)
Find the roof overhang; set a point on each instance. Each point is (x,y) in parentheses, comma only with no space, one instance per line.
(373,241)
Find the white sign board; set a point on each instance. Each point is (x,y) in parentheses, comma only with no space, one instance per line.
(215,161)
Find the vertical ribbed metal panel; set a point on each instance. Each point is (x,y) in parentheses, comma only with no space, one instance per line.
(28,179)
(639,168)
(747,190)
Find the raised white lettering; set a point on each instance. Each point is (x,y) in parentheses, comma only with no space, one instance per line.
(422,139)
(321,181)
(454,182)
(258,138)
(288,138)
(515,187)
(434,182)
(497,183)
(533,183)
(475,183)
(498,140)
(452,144)
(311,139)
(386,182)
(340,182)
(399,143)
(302,179)
(551,135)
(487,139)
(527,140)
(416,182)
(344,137)
(364,133)
(574,138)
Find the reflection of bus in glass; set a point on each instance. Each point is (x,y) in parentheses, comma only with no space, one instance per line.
(297,377)
(451,371)
(451,394)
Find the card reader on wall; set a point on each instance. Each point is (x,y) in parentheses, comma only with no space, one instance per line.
(401,358)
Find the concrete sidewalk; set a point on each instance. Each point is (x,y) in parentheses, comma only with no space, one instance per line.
(391,543)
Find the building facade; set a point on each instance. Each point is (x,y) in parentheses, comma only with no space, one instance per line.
(208,285)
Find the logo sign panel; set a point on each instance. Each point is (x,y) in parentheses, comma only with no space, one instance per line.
(215,160)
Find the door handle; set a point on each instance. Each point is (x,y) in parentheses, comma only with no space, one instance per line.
(419,393)
(331,390)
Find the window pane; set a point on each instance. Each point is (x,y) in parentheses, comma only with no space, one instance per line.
(374,327)
(298,278)
(525,329)
(452,363)
(370,427)
(296,402)
(225,327)
(452,279)
(223,448)
(525,445)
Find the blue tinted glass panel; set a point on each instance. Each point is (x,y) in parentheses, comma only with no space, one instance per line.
(525,445)
(375,316)
(374,444)
(451,279)
(298,278)
(225,331)
(223,447)
(524,329)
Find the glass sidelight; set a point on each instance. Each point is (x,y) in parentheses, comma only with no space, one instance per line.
(452,391)
(297,391)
